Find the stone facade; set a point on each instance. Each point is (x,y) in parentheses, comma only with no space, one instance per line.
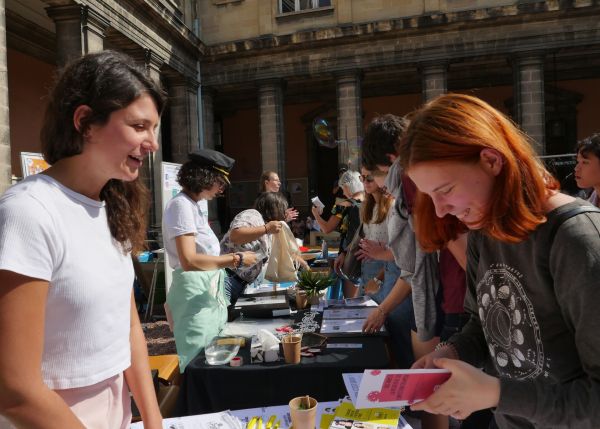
(151,31)
(416,51)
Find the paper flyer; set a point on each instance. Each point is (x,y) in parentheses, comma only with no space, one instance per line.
(398,387)
(346,417)
(204,421)
(352,383)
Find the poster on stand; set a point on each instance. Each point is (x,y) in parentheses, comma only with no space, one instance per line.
(32,163)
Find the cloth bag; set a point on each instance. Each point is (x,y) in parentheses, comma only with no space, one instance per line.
(198,309)
(351,268)
(282,265)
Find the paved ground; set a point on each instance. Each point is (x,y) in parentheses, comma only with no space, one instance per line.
(159,338)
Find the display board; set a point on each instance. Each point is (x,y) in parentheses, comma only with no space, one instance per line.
(32,163)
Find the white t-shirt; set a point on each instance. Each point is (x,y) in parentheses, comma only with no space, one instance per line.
(52,233)
(377,231)
(184,216)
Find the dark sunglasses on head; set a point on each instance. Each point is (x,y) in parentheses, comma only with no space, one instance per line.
(366,178)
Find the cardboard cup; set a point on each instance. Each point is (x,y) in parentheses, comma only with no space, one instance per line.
(291,348)
(303,416)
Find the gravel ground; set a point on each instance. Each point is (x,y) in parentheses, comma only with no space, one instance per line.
(159,338)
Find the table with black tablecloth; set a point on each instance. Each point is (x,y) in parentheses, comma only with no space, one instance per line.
(208,388)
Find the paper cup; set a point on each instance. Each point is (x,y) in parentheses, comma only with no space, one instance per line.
(303,416)
(291,348)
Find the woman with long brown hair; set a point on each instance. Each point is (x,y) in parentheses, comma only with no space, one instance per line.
(71,340)
(533,262)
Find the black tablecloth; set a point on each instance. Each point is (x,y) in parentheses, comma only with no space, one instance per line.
(208,388)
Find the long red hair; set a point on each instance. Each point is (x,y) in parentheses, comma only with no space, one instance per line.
(455,128)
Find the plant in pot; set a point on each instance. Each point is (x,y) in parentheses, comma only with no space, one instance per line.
(310,286)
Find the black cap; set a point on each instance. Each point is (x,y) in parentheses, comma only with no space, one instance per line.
(211,158)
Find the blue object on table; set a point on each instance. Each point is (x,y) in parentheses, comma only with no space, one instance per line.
(146,256)
(336,291)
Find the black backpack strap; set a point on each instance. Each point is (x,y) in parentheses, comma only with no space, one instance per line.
(543,258)
(565,216)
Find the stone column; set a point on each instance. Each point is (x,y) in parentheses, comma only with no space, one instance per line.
(5,161)
(208,130)
(349,118)
(272,135)
(528,71)
(434,78)
(183,99)
(152,64)
(79,30)
(208,117)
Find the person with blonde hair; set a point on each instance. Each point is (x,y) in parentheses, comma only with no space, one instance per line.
(269,182)
(533,262)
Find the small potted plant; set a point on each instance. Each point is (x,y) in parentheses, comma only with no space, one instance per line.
(309,287)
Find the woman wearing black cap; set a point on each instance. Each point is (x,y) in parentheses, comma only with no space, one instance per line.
(198,295)
(190,243)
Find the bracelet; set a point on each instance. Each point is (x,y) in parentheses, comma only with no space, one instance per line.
(379,282)
(241,255)
(449,345)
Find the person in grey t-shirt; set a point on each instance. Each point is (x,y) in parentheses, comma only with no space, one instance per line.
(532,277)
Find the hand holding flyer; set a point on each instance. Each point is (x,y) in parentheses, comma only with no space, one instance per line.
(398,387)
(318,204)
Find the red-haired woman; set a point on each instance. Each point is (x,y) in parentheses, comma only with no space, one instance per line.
(532,271)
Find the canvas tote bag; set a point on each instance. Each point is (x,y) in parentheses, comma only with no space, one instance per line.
(282,265)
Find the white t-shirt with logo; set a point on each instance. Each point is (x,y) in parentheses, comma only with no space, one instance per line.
(184,216)
(52,233)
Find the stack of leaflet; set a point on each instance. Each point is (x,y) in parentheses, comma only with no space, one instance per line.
(265,301)
(334,321)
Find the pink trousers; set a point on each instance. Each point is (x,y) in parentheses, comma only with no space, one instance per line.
(104,405)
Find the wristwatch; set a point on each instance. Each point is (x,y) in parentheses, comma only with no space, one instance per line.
(379,282)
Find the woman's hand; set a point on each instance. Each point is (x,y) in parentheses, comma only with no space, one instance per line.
(250,258)
(339,262)
(273,227)
(303,264)
(370,249)
(375,321)
(315,211)
(426,362)
(372,287)
(291,214)
(469,389)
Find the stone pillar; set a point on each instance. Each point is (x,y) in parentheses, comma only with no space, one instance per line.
(183,99)
(151,171)
(79,30)
(152,64)
(528,71)
(5,161)
(349,119)
(208,130)
(272,136)
(208,117)
(434,78)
